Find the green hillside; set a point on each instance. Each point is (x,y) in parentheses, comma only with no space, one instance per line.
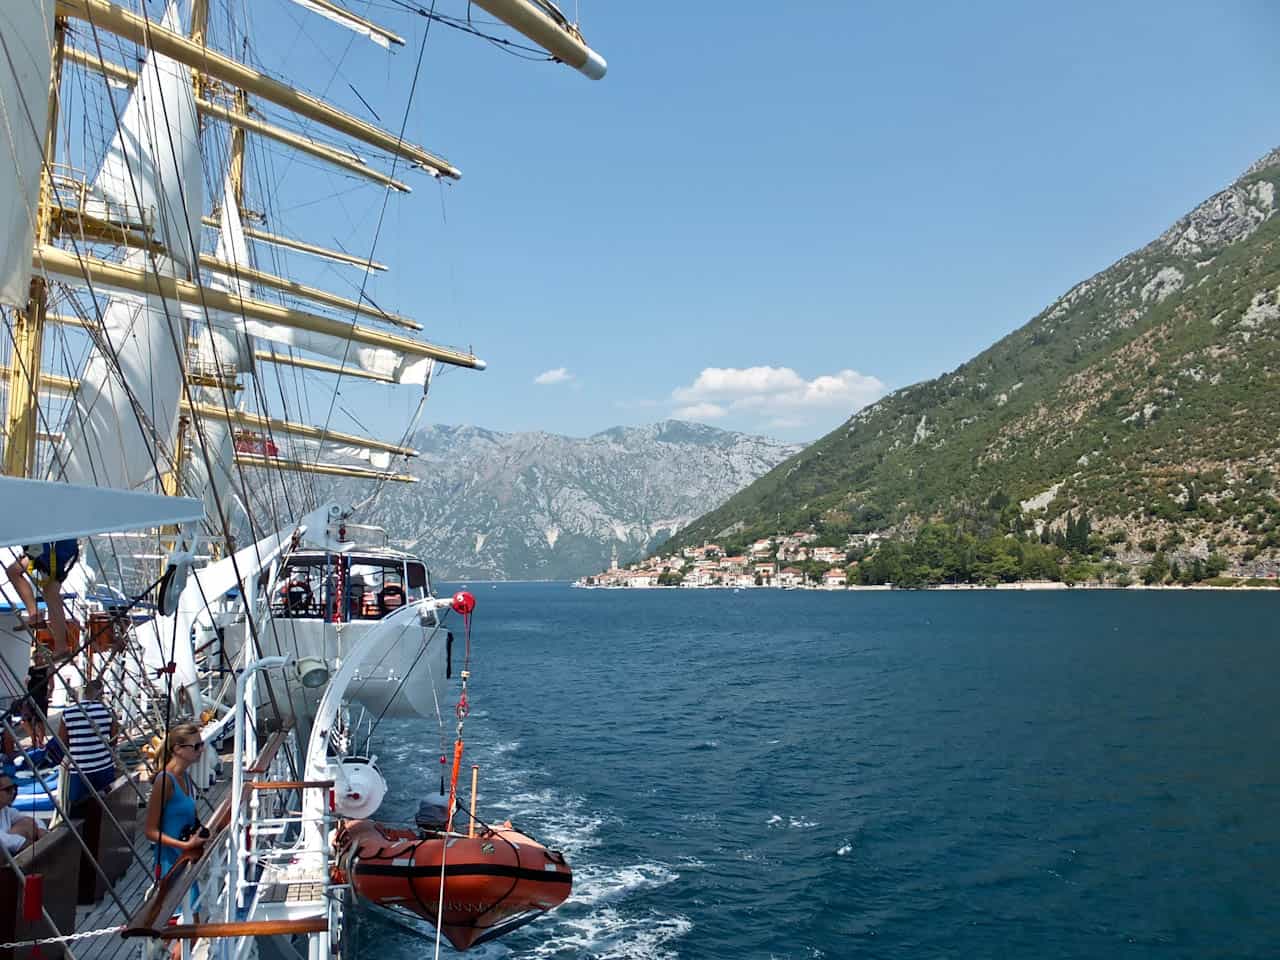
(1146,399)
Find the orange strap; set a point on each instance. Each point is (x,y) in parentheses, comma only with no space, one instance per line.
(453,781)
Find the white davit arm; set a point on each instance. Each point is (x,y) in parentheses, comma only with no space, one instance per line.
(43,511)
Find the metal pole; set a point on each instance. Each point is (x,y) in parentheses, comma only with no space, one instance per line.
(475,774)
(236,874)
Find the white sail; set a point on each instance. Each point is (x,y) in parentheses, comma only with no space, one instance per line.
(331,11)
(232,245)
(124,416)
(225,346)
(26,41)
(125,412)
(378,459)
(152,168)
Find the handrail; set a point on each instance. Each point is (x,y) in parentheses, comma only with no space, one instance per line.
(243,928)
(290,784)
(152,918)
(263,762)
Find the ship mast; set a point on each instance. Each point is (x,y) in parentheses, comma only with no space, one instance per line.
(28,330)
(171,483)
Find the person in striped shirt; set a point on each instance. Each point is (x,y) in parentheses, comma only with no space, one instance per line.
(88,732)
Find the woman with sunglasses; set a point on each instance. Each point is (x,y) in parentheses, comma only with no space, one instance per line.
(171,811)
(16,831)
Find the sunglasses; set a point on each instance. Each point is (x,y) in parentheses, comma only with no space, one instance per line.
(11,788)
(198,745)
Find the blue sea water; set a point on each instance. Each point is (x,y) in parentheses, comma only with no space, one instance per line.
(876,775)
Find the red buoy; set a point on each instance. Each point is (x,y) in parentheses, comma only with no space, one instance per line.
(463,602)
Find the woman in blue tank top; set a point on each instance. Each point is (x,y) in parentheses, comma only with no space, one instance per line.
(171,811)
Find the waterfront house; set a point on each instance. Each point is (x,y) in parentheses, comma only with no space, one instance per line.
(835,577)
(791,577)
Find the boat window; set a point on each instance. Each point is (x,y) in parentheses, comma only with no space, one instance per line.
(303,588)
(417,575)
(375,587)
(416,579)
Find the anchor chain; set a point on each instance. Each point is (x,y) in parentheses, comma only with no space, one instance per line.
(63,938)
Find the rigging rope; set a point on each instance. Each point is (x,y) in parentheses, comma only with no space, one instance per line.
(465,604)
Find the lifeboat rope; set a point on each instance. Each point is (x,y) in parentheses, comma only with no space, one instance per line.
(463,603)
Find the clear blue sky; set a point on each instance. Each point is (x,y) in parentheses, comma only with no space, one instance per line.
(854,196)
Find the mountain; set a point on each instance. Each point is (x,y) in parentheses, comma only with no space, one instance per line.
(1146,398)
(539,506)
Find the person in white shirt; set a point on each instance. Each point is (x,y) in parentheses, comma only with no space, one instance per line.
(16,831)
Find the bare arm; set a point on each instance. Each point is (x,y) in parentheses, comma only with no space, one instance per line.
(155,806)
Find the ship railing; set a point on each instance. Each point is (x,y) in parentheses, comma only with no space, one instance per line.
(266,828)
(117,672)
(75,196)
(76,842)
(70,766)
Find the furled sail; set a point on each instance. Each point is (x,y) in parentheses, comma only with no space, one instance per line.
(411,364)
(26,40)
(331,11)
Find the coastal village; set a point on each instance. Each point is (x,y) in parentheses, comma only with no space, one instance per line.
(788,562)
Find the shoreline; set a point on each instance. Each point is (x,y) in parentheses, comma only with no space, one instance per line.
(1026,585)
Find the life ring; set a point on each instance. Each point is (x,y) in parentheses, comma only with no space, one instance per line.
(391,597)
(298,597)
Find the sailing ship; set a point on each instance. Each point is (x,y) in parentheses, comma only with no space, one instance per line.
(147,328)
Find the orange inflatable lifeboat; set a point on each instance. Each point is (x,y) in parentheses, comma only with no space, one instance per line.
(494,882)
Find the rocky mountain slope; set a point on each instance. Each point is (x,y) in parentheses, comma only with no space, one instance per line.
(538,506)
(1146,398)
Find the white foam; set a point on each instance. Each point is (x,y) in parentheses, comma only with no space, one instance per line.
(795,823)
(593,885)
(845,850)
(607,935)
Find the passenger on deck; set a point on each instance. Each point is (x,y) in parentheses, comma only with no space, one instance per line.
(355,597)
(16,830)
(171,811)
(88,731)
(34,707)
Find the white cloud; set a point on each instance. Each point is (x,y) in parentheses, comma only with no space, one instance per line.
(777,392)
(558,375)
(700,411)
